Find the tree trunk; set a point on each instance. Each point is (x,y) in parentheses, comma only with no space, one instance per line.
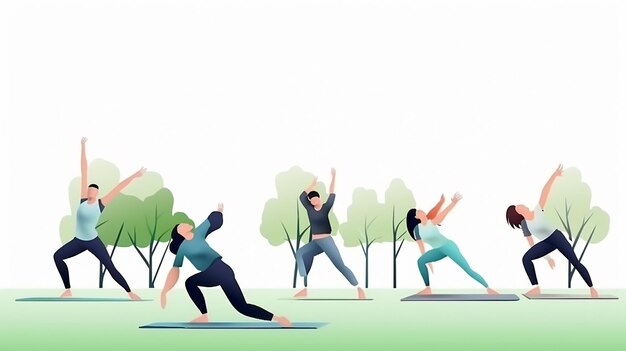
(101,276)
(394,260)
(295,274)
(367,269)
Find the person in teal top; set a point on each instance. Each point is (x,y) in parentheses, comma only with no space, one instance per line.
(423,228)
(191,244)
(86,236)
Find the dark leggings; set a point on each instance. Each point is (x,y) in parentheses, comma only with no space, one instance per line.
(96,247)
(556,241)
(219,273)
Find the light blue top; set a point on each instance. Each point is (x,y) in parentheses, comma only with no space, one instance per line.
(87,218)
(539,226)
(429,233)
(197,250)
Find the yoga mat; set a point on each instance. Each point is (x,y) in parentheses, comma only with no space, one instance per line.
(462,297)
(231,325)
(569,297)
(78,299)
(328,299)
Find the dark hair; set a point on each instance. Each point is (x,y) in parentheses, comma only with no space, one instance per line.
(177,239)
(513,218)
(313,194)
(94,186)
(411,222)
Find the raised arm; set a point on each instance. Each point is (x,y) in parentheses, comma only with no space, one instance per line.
(124,183)
(333,173)
(546,188)
(215,219)
(83,169)
(170,281)
(442,215)
(435,210)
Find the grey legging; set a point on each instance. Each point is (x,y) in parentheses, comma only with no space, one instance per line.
(305,255)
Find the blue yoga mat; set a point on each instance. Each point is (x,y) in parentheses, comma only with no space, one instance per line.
(78,299)
(462,297)
(231,325)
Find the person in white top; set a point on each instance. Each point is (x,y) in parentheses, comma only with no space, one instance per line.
(534,223)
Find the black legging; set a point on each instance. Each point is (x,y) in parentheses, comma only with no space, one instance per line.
(556,241)
(219,273)
(96,247)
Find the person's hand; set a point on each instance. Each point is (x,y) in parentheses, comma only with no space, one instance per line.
(432,270)
(551,262)
(163,299)
(83,141)
(443,198)
(559,171)
(220,207)
(456,197)
(333,172)
(140,172)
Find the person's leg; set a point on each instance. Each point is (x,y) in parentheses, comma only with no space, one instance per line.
(97,248)
(304,257)
(70,249)
(452,251)
(193,284)
(328,246)
(232,290)
(538,250)
(428,257)
(561,244)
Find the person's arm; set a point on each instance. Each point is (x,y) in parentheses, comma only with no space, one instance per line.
(303,196)
(546,188)
(83,169)
(531,243)
(435,210)
(420,244)
(215,219)
(333,173)
(124,183)
(170,281)
(442,215)
(311,186)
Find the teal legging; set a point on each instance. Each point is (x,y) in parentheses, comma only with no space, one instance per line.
(448,249)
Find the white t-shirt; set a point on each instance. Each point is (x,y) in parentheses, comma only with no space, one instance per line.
(539,226)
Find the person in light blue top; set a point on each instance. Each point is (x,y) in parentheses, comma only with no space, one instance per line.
(423,228)
(86,236)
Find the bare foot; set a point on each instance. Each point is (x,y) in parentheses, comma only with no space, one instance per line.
(67,293)
(426,291)
(360,293)
(282,320)
(203,318)
(302,293)
(133,296)
(594,292)
(534,291)
(490,291)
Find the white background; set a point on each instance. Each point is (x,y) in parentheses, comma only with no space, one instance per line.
(484,97)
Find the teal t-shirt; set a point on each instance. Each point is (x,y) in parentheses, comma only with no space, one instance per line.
(197,250)
(430,234)
(87,218)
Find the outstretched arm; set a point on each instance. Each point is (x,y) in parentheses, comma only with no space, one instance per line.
(333,173)
(83,169)
(215,219)
(441,216)
(124,183)
(435,210)
(546,188)
(170,281)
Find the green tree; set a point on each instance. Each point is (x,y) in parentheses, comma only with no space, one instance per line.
(364,224)
(284,218)
(398,200)
(569,206)
(152,224)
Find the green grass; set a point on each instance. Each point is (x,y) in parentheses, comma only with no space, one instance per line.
(385,323)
